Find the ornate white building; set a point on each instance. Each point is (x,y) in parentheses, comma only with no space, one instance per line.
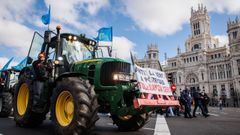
(205,64)
(151,59)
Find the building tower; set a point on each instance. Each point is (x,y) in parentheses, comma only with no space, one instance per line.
(233,30)
(200,22)
(200,38)
(151,59)
(152,52)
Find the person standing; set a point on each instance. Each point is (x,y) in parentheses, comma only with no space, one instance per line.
(198,102)
(41,70)
(186,100)
(176,108)
(220,102)
(205,101)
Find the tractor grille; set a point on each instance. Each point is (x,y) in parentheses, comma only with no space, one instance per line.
(109,68)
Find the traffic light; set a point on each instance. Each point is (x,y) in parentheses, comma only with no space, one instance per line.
(173,87)
(170,77)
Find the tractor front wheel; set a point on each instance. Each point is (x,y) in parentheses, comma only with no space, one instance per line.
(23,106)
(129,122)
(74,106)
(6,104)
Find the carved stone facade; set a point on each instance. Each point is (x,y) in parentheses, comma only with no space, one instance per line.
(151,59)
(205,64)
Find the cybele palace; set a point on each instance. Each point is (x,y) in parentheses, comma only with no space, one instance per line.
(204,63)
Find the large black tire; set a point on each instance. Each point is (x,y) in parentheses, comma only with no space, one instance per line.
(6,106)
(85,107)
(132,124)
(30,118)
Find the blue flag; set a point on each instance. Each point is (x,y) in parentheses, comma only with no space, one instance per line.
(47,17)
(104,34)
(7,64)
(21,65)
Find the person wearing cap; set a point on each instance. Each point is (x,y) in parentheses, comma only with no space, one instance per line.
(39,67)
(41,70)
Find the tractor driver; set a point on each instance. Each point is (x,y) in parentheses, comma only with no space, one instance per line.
(42,71)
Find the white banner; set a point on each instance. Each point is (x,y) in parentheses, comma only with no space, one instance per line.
(152,81)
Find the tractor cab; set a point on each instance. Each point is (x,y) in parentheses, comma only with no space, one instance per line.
(8,79)
(62,50)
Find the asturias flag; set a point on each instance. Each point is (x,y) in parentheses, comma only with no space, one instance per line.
(104,34)
(47,18)
(7,64)
(21,65)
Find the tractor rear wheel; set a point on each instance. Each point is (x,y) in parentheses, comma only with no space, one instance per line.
(74,106)
(23,106)
(6,104)
(130,123)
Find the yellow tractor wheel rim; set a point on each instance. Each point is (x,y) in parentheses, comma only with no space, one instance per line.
(22,99)
(125,118)
(64,108)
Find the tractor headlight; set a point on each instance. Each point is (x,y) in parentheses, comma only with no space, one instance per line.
(60,58)
(121,77)
(69,37)
(74,38)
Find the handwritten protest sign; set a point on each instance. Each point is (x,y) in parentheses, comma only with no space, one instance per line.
(152,81)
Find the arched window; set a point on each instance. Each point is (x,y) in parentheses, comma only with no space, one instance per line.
(196,47)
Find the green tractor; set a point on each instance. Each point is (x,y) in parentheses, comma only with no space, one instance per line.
(81,84)
(8,80)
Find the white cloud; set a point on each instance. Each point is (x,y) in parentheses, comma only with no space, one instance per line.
(16,10)
(223,40)
(13,33)
(16,36)
(222,6)
(4,60)
(167,17)
(69,13)
(122,47)
(15,17)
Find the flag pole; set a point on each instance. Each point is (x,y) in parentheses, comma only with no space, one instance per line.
(49,12)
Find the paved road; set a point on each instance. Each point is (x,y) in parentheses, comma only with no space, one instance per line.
(224,122)
(104,126)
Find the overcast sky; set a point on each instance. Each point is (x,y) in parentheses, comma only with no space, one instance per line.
(136,23)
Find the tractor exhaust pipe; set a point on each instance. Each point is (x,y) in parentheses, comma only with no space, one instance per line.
(58,50)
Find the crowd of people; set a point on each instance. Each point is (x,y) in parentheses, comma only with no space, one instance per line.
(196,97)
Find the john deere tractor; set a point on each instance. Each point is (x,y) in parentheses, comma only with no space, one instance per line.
(81,84)
(8,80)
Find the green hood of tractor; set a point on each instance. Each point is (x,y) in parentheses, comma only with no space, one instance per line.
(99,60)
(99,71)
(83,66)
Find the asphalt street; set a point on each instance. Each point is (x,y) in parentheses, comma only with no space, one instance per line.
(104,126)
(224,122)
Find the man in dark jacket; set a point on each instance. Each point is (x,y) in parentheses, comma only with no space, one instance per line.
(40,67)
(198,102)
(205,101)
(41,70)
(186,100)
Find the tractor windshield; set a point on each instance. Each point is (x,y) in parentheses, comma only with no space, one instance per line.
(75,51)
(103,51)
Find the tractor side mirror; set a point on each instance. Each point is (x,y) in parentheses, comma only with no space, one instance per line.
(29,60)
(47,37)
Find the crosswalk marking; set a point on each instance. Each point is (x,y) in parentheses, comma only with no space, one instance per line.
(213,114)
(149,129)
(161,127)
